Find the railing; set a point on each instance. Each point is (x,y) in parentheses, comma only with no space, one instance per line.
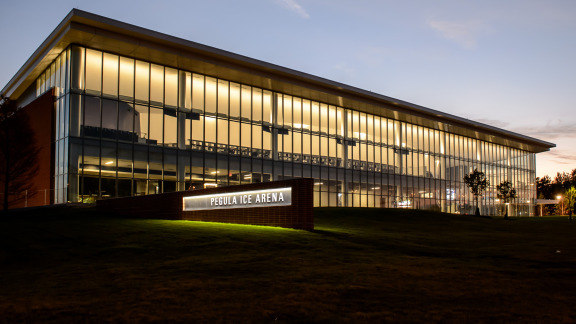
(27,197)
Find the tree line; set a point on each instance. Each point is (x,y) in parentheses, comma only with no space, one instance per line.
(562,187)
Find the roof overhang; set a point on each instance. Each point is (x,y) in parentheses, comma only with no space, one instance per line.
(94,31)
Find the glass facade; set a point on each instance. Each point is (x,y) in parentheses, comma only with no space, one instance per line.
(128,127)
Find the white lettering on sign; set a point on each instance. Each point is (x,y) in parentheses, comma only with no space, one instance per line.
(243,199)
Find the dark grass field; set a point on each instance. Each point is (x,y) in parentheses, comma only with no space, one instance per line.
(73,265)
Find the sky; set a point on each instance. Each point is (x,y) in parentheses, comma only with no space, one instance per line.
(509,64)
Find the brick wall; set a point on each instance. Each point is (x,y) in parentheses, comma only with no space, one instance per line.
(169,206)
(41,115)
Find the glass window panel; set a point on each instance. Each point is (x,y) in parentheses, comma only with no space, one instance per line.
(126,78)
(287,110)
(285,142)
(57,73)
(257,136)
(156,84)
(210,96)
(75,114)
(324,118)
(185,86)
(234,99)
(198,129)
(91,126)
(340,121)
(170,127)
(141,123)
(50,82)
(297,143)
(257,104)
(297,114)
(210,126)
(187,130)
(315,145)
(245,135)
(315,117)
(109,118)
(246,103)
(198,92)
(266,140)
(93,71)
(234,132)
(156,123)
(78,56)
(306,144)
(223,97)
(110,84)
(324,146)
(125,120)
(332,126)
(171,87)
(267,107)
(222,131)
(142,80)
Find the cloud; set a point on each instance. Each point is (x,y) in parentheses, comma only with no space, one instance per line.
(463,33)
(493,122)
(295,7)
(550,131)
(561,157)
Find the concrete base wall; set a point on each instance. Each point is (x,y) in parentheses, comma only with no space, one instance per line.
(299,215)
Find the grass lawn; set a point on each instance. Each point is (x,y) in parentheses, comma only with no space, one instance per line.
(71,264)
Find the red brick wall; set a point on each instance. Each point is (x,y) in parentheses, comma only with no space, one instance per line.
(169,206)
(41,115)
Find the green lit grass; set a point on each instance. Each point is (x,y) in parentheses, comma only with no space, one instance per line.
(62,265)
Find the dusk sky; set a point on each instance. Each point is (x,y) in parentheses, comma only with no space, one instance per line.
(510,64)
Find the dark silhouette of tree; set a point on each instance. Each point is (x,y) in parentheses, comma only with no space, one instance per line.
(548,188)
(544,187)
(505,192)
(18,152)
(477,183)
(563,180)
(570,201)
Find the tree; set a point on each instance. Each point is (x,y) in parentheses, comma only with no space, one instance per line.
(18,151)
(550,189)
(477,183)
(505,193)
(544,187)
(570,197)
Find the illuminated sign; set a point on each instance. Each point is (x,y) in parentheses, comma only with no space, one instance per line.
(241,199)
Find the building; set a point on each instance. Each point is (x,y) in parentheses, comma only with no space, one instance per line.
(138,112)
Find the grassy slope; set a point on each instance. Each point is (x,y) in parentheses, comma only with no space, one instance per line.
(359,265)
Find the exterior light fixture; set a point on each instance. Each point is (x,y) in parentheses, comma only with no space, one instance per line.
(109,162)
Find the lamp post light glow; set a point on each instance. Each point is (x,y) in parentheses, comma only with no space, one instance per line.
(559,197)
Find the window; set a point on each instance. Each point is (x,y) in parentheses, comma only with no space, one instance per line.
(142,81)
(93,72)
(110,83)
(126,78)
(156,85)
(156,123)
(171,88)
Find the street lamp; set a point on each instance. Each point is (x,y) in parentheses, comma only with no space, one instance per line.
(559,197)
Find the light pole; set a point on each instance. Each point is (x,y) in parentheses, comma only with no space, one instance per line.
(559,197)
